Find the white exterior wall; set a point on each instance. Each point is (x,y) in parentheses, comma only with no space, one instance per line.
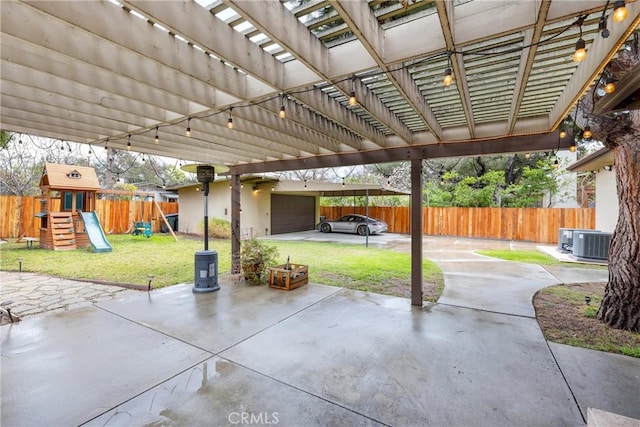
(255,217)
(566,197)
(606,200)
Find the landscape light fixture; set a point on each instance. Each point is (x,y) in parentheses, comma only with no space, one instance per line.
(352,96)
(187,132)
(619,11)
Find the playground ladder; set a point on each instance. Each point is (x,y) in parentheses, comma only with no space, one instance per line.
(64,235)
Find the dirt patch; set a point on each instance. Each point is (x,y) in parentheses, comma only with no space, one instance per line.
(565,317)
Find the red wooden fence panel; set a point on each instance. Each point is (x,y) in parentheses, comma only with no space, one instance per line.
(17,215)
(526,224)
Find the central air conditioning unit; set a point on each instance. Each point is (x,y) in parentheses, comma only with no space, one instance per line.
(591,245)
(565,238)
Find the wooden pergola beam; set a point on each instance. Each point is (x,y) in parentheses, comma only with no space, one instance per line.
(512,144)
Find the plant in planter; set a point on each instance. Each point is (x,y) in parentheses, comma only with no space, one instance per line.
(256,257)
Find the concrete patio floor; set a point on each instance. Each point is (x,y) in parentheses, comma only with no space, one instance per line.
(317,355)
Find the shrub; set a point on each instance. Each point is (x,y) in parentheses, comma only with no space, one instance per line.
(256,257)
(218,228)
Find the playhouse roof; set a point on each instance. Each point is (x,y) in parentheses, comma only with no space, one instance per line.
(69,177)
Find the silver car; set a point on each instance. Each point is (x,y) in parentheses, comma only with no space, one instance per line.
(353,223)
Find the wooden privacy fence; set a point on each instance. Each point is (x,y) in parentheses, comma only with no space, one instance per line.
(527,224)
(17,215)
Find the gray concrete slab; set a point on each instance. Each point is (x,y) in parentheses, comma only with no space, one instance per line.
(493,285)
(578,275)
(434,366)
(64,369)
(610,382)
(216,320)
(221,393)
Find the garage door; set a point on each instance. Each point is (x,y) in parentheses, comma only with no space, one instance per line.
(292,213)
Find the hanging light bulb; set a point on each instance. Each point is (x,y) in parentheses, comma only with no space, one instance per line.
(448,74)
(581,53)
(157,140)
(609,85)
(105,144)
(602,27)
(527,156)
(448,77)
(352,98)
(587,132)
(562,134)
(343,184)
(619,11)
(283,112)
(573,147)
(187,132)
(352,95)
(129,143)
(230,121)
(305,183)
(556,164)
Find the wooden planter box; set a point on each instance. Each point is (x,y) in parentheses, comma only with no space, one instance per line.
(282,278)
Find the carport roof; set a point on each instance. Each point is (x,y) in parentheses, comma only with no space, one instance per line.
(593,162)
(119,73)
(323,189)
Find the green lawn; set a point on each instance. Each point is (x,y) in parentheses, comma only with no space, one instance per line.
(135,257)
(532,257)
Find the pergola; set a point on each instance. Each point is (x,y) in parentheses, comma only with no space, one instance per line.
(169,78)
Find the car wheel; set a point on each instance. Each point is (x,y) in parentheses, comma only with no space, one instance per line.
(362,230)
(325,228)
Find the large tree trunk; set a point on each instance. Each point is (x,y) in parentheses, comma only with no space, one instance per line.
(620,132)
(620,306)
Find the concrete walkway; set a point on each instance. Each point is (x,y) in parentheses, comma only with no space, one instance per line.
(317,355)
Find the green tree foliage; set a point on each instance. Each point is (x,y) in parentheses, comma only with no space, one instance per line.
(531,188)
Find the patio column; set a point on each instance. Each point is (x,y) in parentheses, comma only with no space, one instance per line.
(235,224)
(416,232)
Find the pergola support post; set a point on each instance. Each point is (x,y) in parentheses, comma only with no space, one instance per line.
(416,232)
(235,224)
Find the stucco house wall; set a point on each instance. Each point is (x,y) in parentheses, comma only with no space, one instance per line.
(255,205)
(601,162)
(606,200)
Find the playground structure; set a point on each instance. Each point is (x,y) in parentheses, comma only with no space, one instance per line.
(67,209)
(67,217)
